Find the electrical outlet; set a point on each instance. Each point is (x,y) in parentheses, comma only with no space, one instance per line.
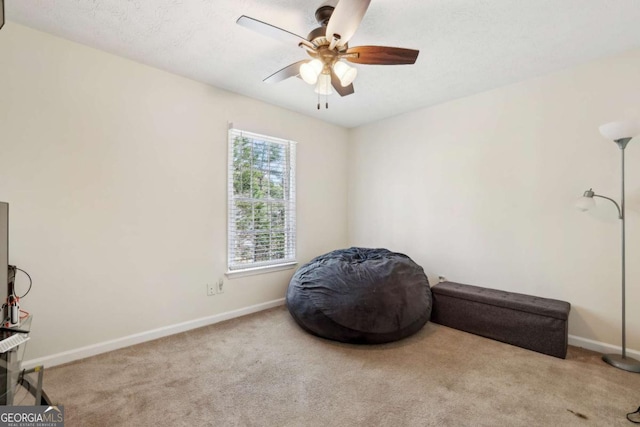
(211,289)
(220,286)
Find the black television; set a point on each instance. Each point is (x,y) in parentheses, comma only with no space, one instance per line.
(5,278)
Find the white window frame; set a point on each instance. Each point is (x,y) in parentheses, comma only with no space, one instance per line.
(236,267)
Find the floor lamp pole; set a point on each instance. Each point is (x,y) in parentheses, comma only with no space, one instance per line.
(624,267)
(622,361)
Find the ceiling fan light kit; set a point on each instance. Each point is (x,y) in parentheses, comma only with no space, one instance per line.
(345,73)
(310,71)
(323,87)
(329,49)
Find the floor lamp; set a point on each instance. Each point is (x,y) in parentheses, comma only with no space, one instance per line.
(621,133)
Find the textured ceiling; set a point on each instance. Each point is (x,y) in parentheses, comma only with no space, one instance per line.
(465,46)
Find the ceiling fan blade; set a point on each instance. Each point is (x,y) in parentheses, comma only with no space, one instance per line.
(346,19)
(288,71)
(381,55)
(342,90)
(272,31)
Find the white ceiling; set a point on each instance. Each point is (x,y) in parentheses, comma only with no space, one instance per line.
(465,46)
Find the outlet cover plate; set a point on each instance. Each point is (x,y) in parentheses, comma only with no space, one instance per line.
(211,289)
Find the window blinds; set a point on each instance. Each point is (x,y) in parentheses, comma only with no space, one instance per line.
(262,201)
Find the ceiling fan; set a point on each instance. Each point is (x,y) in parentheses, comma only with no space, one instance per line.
(328,46)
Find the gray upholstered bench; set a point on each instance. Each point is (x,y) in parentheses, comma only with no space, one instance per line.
(538,324)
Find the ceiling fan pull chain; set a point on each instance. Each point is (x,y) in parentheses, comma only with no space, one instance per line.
(318,101)
(326,102)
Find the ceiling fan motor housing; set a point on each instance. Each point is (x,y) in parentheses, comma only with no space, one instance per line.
(318,36)
(323,14)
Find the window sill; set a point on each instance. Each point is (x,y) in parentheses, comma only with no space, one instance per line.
(260,270)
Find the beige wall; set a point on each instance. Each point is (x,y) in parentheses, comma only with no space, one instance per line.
(482,190)
(116,177)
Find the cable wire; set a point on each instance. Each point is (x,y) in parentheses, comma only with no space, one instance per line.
(30,282)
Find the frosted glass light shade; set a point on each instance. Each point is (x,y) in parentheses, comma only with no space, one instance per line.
(621,129)
(309,71)
(585,203)
(323,87)
(345,73)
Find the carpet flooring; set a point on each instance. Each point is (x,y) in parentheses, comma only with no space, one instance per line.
(263,370)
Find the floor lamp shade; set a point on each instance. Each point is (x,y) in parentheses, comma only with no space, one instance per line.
(585,203)
(619,130)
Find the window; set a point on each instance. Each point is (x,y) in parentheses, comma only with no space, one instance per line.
(262,201)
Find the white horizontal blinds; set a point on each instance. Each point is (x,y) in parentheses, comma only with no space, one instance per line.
(262,201)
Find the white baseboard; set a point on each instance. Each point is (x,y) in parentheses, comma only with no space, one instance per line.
(103,347)
(600,347)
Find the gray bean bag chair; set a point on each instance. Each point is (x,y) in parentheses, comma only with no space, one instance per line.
(360,295)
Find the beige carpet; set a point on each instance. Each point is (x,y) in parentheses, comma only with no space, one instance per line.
(263,370)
